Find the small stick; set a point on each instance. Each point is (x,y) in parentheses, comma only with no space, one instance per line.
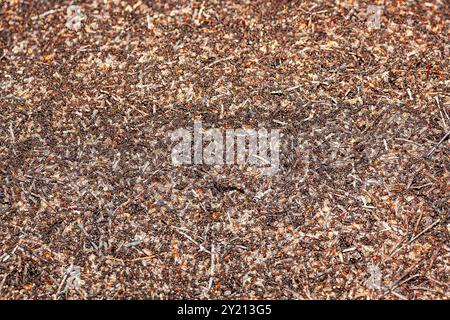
(202,248)
(445,112)
(410,141)
(13,138)
(399,283)
(218,61)
(132,260)
(87,235)
(45,14)
(65,275)
(211,270)
(397,247)
(424,230)
(439,143)
(418,221)
(400,244)
(3,282)
(285,90)
(398,295)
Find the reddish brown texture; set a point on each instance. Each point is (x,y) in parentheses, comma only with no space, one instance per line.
(85,172)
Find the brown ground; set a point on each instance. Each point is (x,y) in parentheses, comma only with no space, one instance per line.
(359,209)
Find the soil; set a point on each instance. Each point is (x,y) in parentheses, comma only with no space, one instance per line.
(92,207)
